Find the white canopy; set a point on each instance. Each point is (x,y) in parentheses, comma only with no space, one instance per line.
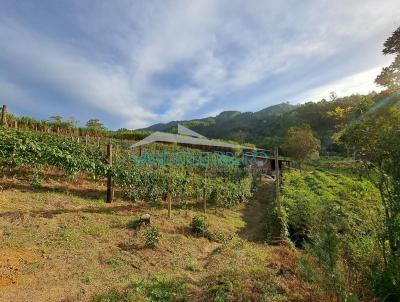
(164,137)
(186,131)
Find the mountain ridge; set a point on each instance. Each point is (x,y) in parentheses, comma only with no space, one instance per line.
(267,127)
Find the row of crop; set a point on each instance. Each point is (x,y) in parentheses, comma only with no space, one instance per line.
(224,186)
(336,219)
(183,183)
(69,127)
(41,149)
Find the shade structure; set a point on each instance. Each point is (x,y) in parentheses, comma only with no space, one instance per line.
(186,131)
(163,137)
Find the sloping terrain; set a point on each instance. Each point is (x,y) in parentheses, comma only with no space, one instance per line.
(61,242)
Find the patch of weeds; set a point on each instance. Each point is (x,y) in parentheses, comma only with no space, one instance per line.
(193,267)
(86,279)
(96,230)
(36,183)
(220,238)
(242,286)
(184,207)
(163,290)
(306,270)
(199,227)
(30,268)
(117,262)
(269,293)
(152,236)
(154,290)
(67,236)
(220,289)
(112,296)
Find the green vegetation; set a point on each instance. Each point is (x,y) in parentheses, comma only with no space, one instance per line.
(152,236)
(225,186)
(335,217)
(268,127)
(300,144)
(390,76)
(56,124)
(339,218)
(153,290)
(199,226)
(376,140)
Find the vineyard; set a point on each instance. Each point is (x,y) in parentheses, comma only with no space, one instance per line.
(223,186)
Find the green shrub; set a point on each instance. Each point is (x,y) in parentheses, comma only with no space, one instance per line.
(386,281)
(36,183)
(152,236)
(199,226)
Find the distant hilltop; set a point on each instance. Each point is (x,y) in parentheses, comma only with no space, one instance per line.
(267,127)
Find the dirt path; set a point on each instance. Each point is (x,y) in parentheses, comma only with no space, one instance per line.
(256,213)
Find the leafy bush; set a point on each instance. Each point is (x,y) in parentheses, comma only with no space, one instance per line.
(152,236)
(36,183)
(199,226)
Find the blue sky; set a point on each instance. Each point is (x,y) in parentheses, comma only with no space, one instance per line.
(135,63)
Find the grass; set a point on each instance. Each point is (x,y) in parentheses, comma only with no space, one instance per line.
(75,248)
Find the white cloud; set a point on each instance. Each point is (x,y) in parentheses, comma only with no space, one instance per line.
(225,47)
(359,83)
(100,85)
(10,92)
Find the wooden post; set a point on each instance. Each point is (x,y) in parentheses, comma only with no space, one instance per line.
(77,140)
(4,116)
(277,181)
(169,205)
(86,140)
(16,124)
(58,130)
(204,191)
(204,203)
(110,188)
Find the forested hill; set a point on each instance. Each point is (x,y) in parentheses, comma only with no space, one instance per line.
(267,127)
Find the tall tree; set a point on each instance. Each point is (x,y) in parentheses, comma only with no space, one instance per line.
(301,144)
(390,76)
(95,124)
(73,121)
(376,142)
(56,118)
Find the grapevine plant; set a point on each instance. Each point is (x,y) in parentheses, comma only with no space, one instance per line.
(225,186)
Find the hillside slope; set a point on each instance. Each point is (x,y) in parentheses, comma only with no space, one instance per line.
(267,127)
(60,242)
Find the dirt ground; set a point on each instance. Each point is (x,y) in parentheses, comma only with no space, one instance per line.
(63,243)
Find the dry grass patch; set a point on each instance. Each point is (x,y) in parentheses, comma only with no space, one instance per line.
(77,247)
